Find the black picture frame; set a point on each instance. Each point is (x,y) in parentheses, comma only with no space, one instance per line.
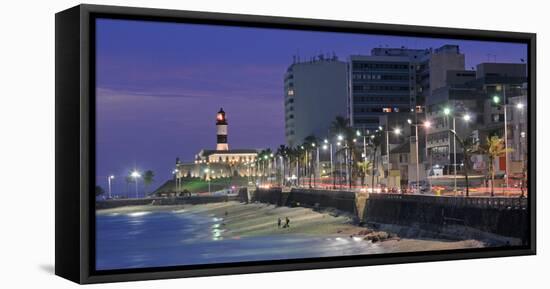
(75,142)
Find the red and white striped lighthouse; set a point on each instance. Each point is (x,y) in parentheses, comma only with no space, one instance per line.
(221,129)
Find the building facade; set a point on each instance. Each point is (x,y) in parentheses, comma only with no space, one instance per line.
(397,81)
(472,93)
(315,94)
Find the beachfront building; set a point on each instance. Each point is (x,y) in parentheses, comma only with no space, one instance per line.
(469,99)
(315,94)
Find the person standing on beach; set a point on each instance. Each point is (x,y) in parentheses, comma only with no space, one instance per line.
(287,222)
(279,222)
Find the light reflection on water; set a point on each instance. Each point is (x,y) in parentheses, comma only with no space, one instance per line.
(145,239)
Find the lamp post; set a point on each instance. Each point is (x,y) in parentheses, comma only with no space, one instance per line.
(397,132)
(387,131)
(136,175)
(206,171)
(496,100)
(465,152)
(447,113)
(316,174)
(338,144)
(426,125)
(466,117)
(175,172)
(341,138)
(109,179)
(329,145)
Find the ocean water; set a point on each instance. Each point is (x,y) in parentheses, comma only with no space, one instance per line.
(171,238)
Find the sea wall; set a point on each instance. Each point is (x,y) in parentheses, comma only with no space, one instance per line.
(194,200)
(340,200)
(502,216)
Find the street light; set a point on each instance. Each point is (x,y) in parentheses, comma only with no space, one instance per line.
(175,172)
(467,118)
(109,179)
(397,131)
(206,171)
(325,146)
(426,125)
(135,174)
(496,100)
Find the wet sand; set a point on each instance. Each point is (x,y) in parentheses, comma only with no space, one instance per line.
(258,219)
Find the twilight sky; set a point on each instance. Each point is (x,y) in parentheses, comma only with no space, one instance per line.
(159,86)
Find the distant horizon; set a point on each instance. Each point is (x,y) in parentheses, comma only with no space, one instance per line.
(159,86)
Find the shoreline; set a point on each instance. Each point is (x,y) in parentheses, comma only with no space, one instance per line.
(258,219)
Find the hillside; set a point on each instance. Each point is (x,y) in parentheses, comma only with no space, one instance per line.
(196,185)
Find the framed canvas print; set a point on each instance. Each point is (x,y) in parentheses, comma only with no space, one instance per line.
(193,144)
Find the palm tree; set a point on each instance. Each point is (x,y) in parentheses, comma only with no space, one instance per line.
(99,191)
(282,153)
(295,154)
(494,148)
(310,144)
(264,157)
(363,168)
(340,127)
(148,178)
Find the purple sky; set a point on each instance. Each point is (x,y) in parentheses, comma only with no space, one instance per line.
(159,86)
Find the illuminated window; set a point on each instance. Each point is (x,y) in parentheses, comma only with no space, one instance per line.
(290,92)
(386,109)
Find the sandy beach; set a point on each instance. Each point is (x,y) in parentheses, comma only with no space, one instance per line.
(258,219)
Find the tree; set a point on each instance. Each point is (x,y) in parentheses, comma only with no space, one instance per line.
(310,144)
(494,148)
(374,141)
(294,159)
(262,161)
(148,178)
(468,147)
(99,191)
(363,167)
(282,153)
(340,127)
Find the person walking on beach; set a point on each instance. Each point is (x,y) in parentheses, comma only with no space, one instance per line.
(287,222)
(279,223)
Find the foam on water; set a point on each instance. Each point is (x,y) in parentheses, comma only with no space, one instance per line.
(156,239)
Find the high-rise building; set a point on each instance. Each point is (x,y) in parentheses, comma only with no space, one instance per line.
(315,94)
(397,81)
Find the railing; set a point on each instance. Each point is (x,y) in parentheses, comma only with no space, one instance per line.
(509,203)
